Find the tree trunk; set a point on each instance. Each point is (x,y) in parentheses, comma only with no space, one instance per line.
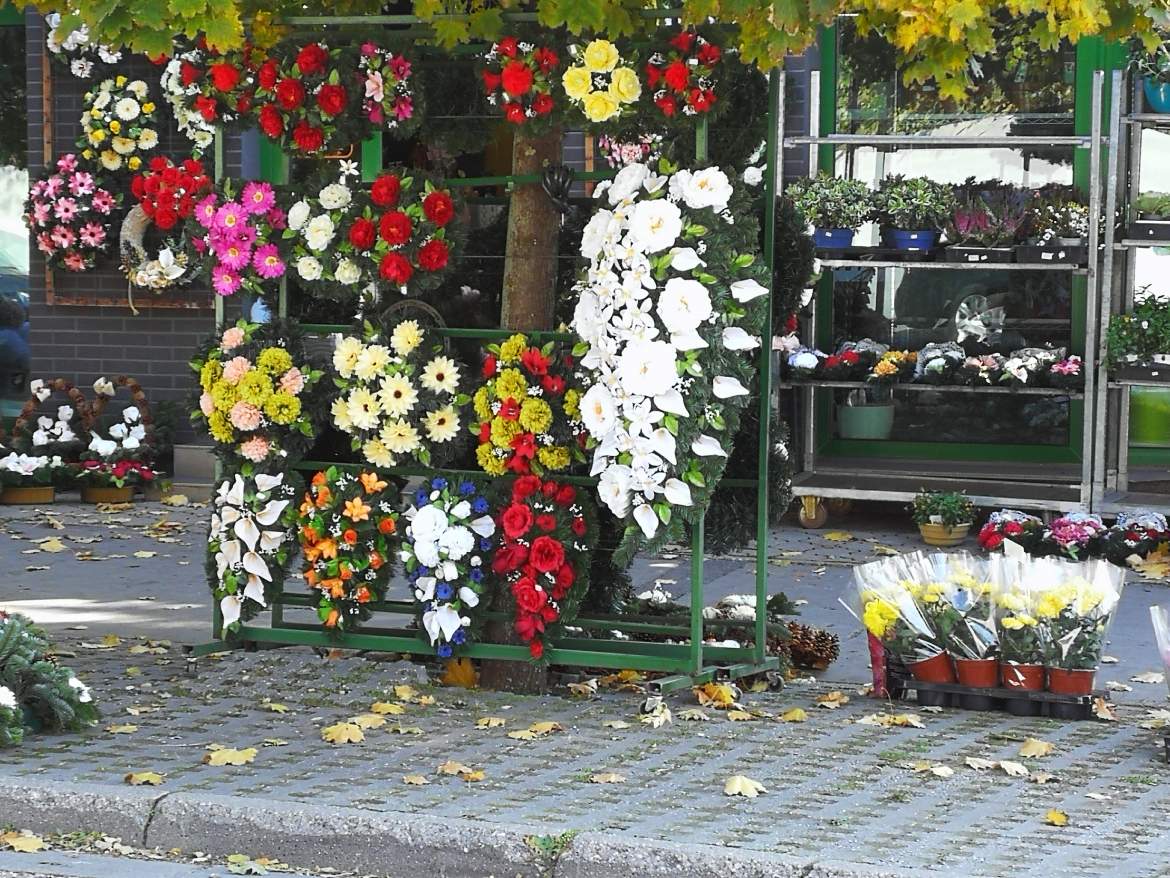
(529,299)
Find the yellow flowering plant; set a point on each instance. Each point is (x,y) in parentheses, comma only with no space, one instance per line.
(599,83)
(118,123)
(398,396)
(890,606)
(1075,602)
(528,415)
(957,596)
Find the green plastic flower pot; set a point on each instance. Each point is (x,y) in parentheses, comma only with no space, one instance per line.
(865,421)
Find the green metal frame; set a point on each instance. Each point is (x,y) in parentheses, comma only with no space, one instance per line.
(684,664)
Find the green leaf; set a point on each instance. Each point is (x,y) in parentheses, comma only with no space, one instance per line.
(743,260)
(580,349)
(450,32)
(671,423)
(663,511)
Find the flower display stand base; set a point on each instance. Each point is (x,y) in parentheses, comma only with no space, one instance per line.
(1023,679)
(27,495)
(101,494)
(1058,254)
(943,535)
(977,674)
(979,255)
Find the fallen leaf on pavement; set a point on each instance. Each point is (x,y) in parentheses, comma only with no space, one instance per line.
(1056,818)
(405,730)
(1109,659)
(142,553)
(739,716)
(23,842)
(52,544)
(275,707)
(693,715)
(717,695)
(1098,797)
(888,720)
(490,722)
(343,733)
(144,778)
(838,536)
(1033,748)
(925,765)
(1102,709)
(405,692)
(175,500)
(452,767)
(616,724)
(885,550)
(1013,769)
(1042,777)
(741,785)
(228,756)
(832,700)
(387,708)
(586,689)
(607,777)
(979,764)
(1149,677)
(795,715)
(122,729)
(368,720)
(1115,686)
(415,780)
(1156,565)
(1156,719)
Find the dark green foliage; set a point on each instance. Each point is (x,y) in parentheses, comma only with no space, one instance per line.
(610,586)
(793,268)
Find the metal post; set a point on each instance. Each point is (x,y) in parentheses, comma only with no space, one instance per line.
(697,595)
(1091,296)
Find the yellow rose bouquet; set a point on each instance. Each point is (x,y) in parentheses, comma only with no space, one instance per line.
(599,83)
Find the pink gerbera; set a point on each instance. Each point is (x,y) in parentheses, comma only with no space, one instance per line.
(37,190)
(234,256)
(40,212)
(267,262)
(63,236)
(258,197)
(255,449)
(244,416)
(277,218)
(103,201)
(92,235)
(45,243)
(224,280)
(230,217)
(246,236)
(74,261)
(67,163)
(53,186)
(65,209)
(81,183)
(205,211)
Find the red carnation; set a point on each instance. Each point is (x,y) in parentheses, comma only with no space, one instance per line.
(683,41)
(514,113)
(525,487)
(439,208)
(534,361)
(159,163)
(546,60)
(363,233)
(653,76)
(194,167)
(307,137)
(579,526)
(268,74)
(290,93)
(507,47)
(992,541)
(1014,528)
(136,187)
(165,218)
(433,255)
(546,523)
(224,76)
(170,175)
(547,554)
(385,190)
(566,494)
(709,55)
(676,75)
(188,72)
(832,361)
(850,357)
(509,409)
(536,648)
(311,59)
(542,104)
(553,384)
(485,432)
(701,100)
(395,228)
(331,99)
(206,107)
(153,185)
(489,366)
(665,103)
(491,81)
(565,577)
(244,103)
(395,268)
(516,521)
(271,122)
(516,77)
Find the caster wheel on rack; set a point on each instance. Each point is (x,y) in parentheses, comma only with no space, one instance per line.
(813,513)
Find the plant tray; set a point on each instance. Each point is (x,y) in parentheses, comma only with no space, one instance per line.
(979,254)
(1032,254)
(877,254)
(1020,702)
(1150,230)
(1155,373)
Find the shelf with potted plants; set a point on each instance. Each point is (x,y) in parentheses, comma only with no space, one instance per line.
(1138,343)
(1152,67)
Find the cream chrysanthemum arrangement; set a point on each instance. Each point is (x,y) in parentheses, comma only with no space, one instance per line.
(117,123)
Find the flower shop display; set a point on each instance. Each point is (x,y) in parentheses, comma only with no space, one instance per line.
(37,692)
(69,214)
(1021,649)
(118,457)
(28,478)
(118,123)
(74,49)
(1028,367)
(346,523)
(1058,228)
(446,553)
(546,533)
(602,84)
(529,415)
(1134,535)
(1067,373)
(398,396)
(518,77)
(239,237)
(391,98)
(1153,66)
(668,316)
(310,100)
(645,149)
(1077,535)
(682,74)
(167,194)
(398,234)
(262,399)
(835,207)
(1140,340)
(207,89)
(1011,524)
(912,211)
(251,542)
(940,363)
(987,222)
(59,434)
(943,517)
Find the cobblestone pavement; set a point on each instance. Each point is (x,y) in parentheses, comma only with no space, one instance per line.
(836,789)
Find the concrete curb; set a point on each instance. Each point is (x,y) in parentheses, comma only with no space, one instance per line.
(606,855)
(53,806)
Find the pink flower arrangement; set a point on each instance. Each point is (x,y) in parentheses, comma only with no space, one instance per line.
(239,238)
(245,416)
(233,337)
(388,98)
(235,369)
(1075,532)
(68,215)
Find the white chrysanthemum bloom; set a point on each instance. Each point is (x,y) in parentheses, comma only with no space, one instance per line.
(340,413)
(139,89)
(442,425)
(441,375)
(298,215)
(147,138)
(335,196)
(397,395)
(319,232)
(428,524)
(345,355)
(309,268)
(371,361)
(646,368)
(376,452)
(655,225)
(127,109)
(684,305)
(363,408)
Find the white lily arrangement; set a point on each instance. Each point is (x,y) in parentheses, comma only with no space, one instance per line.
(669,313)
(250,543)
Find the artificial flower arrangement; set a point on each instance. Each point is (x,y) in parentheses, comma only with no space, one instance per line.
(207,89)
(1075,535)
(646,149)
(166,193)
(546,534)
(21,472)
(1029,366)
(399,232)
(1067,373)
(391,100)
(598,83)
(346,523)
(117,123)
(122,457)
(529,418)
(308,98)
(398,397)
(251,542)
(682,76)
(893,366)
(59,435)
(984,370)
(1137,534)
(940,363)
(262,397)
(74,49)
(446,550)
(666,351)
(804,362)
(68,215)
(238,237)
(1011,524)
(518,78)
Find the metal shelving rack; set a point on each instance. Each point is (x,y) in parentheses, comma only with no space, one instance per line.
(991,484)
(1111,492)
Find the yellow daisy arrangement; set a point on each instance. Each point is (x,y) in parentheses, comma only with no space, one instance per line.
(398,398)
(529,418)
(118,123)
(599,83)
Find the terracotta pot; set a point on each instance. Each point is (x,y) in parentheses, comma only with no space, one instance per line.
(104,494)
(980,673)
(17,495)
(943,535)
(1065,682)
(1028,677)
(936,669)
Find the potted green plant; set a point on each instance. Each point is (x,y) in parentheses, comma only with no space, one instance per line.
(1152,220)
(834,206)
(943,517)
(1153,66)
(1139,342)
(1057,229)
(912,211)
